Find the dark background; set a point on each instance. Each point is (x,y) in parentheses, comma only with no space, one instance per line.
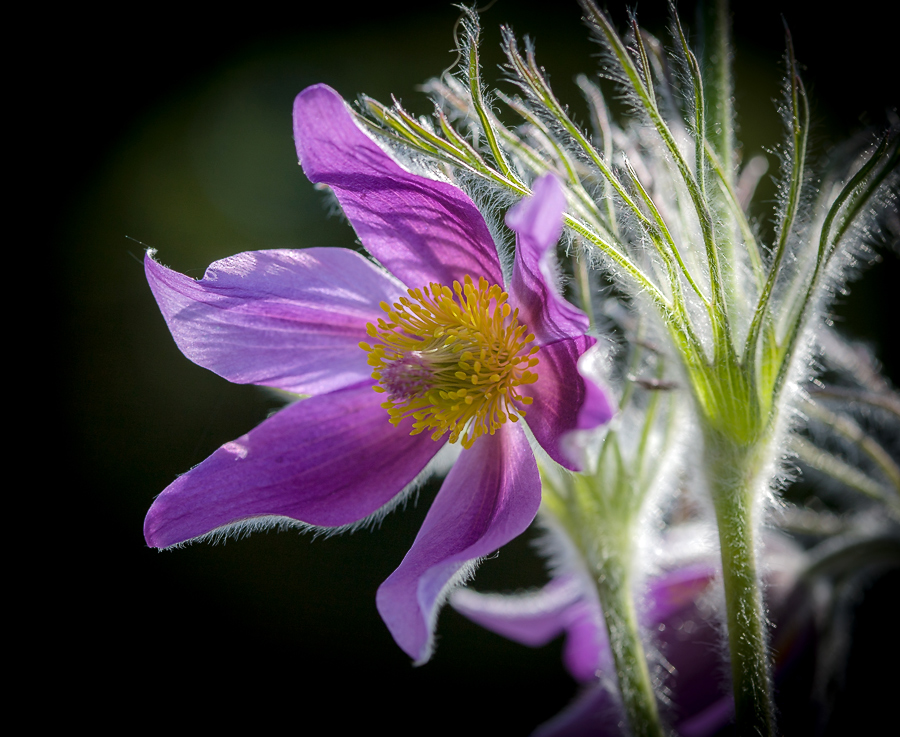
(173,128)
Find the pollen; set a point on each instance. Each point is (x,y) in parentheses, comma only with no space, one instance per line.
(452,359)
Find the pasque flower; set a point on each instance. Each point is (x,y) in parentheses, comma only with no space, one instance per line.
(434,347)
(569,605)
(678,609)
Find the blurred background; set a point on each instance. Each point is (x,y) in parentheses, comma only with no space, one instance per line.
(175,133)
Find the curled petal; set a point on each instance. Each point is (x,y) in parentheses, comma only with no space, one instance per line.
(532,619)
(328,461)
(421,230)
(597,408)
(535,618)
(537,222)
(286,319)
(489,497)
(564,399)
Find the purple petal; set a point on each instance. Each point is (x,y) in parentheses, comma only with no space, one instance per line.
(709,721)
(489,497)
(329,461)
(597,407)
(286,319)
(688,638)
(587,643)
(532,619)
(535,618)
(537,222)
(676,590)
(564,400)
(421,230)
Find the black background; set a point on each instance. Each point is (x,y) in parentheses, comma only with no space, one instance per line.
(281,630)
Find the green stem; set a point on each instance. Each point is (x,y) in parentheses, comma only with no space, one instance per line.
(614,590)
(734,473)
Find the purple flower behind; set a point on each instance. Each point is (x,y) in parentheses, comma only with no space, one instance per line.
(457,356)
(687,637)
(568,604)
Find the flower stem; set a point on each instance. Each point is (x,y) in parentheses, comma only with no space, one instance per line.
(638,699)
(599,513)
(734,473)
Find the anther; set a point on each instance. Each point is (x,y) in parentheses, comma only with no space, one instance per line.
(452,360)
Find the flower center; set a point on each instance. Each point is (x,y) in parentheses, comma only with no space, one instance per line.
(453,360)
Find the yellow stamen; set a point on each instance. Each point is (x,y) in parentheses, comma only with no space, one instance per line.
(453,360)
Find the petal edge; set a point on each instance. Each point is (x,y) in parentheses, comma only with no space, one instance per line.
(303,463)
(489,497)
(289,319)
(420,229)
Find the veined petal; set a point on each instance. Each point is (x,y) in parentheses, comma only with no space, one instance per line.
(564,399)
(489,497)
(328,461)
(533,619)
(421,230)
(537,222)
(286,319)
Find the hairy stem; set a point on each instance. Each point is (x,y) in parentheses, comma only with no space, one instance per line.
(638,699)
(735,471)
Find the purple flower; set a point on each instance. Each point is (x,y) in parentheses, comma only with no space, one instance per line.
(678,608)
(397,362)
(568,604)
